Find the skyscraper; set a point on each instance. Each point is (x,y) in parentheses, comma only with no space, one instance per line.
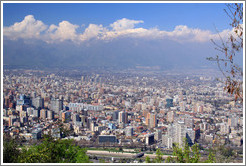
(115,115)
(43,114)
(169,102)
(129,131)
(38,102)
(56,105)
(179,132)
(151,120)
(123,117)
(23,100)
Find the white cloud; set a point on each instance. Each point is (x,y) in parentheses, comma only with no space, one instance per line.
(93,31)
(65,31)
(31,28)
(124,24)
(28,28)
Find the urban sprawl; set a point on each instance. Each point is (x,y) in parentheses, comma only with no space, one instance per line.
(135,111)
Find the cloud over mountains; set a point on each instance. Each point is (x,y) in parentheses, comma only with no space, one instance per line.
(30,28)
(124,43)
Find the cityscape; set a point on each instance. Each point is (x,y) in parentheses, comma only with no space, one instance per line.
(105,109)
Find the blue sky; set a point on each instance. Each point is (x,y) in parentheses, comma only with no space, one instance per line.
(155,34)
(162,15)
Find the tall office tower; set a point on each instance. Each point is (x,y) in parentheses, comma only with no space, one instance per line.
(50,115)
(147,119)
(89,120)
(123,117)
(56,105)
(43,114)
(66,116)
(30,111)
(38,102)
(36,113)
(23,100)
(145,112)
(84,120)
(115,115)
(153,120)
(149,139)
(169,102)
(180,133)
(129,131)
(92,125)
(158,135)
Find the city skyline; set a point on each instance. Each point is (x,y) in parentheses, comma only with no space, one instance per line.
(123,82)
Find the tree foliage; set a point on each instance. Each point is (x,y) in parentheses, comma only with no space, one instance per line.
(147,159)
(49,151)
(229,49)
(158,158)
(188,154)
(10,150)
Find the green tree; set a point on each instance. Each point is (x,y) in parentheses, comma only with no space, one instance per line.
(54,151)
(158,158)
(147,159)
(10,150)
(186,154)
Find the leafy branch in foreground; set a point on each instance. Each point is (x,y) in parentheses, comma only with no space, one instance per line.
(231,71)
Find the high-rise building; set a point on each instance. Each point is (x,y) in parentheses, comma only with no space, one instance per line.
(23,100)
(56,105)
(149,139)
(145,112)
(167,141)
(169,102)
(36,113)
(129,131)
(66,116)
(115,115)
(179,132)
(43,114)
(84,120)
(123,117)
(151,120)
(158,135)
(30,111)
(176,133)
(38,102)
(50,115)
(147,119)
(92,125)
